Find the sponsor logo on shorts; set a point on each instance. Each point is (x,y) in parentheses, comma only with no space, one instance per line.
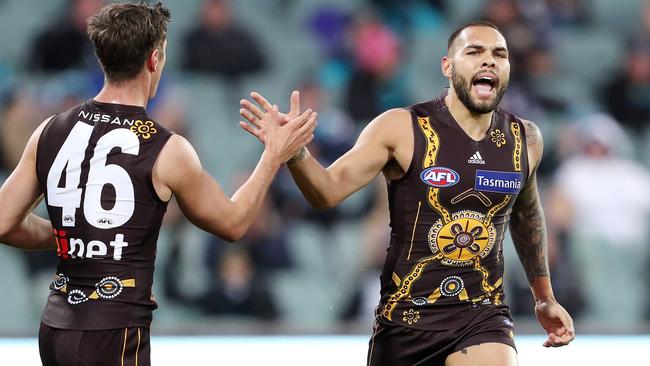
(499,182)
(439,177)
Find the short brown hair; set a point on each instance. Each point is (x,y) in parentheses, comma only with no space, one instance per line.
(476,23)
(124,34)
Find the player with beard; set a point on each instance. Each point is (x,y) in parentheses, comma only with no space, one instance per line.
(459,169)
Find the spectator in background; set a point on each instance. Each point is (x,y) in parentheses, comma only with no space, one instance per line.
(335,134)
(508,16)
(266,242)
(375,84)
(603,200)
(408,16)
(220,47)
(643,36)
(329,25)
(234,290)
(64,45)
(627,95)
(334,137)
(568,13)
(18,120)
(375,227)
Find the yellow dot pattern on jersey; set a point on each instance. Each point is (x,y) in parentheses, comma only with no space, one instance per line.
(431,153)
(407,282)
(516,153)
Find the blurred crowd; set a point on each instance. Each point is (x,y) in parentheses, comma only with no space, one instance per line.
(589,95)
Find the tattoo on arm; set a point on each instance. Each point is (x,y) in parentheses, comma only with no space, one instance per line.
(463,351)
(300,155)
(528,230)
(532,132)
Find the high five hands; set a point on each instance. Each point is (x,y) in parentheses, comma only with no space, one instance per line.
(272,127)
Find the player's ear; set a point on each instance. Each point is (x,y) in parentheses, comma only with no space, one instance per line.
(446,66)
(153,59)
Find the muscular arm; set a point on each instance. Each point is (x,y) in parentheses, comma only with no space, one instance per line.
(18,195)
(324,188)
(202,199)
(527,224)
(528,231)
(178,171)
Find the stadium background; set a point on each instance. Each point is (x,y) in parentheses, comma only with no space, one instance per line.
(580,70)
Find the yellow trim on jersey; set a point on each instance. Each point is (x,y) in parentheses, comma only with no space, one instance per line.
(485,285)
(126,283)
(429,160)
(463,295)
(434,296)
(396,279)
(417,215)
(434,202)
(405,286)
(488,218)
(433,142)
(129,282)
(516,152)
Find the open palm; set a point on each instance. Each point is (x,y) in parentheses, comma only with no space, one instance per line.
(254,113)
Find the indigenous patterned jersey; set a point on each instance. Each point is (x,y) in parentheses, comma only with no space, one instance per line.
(94,165)
(448,216)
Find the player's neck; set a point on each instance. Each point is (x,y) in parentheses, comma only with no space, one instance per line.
(474,125)
(134,92)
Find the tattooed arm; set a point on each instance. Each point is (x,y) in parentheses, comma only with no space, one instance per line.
(528,230)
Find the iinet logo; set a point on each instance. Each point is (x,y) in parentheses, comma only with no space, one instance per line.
(76,248)
(476,159)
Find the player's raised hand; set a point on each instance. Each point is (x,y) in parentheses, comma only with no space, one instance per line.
(283,138)
(556,321)
(254,113)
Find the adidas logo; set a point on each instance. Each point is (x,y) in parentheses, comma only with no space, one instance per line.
(476,159)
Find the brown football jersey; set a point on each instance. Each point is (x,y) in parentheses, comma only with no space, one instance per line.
(448,216)
(94,165)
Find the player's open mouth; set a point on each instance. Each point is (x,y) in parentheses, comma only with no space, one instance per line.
(484,84)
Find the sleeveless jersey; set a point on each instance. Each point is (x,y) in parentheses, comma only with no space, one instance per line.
(448,216)
(94,165)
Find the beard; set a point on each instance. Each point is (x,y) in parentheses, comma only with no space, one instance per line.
(463,89)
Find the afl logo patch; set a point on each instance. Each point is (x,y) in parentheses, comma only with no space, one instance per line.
(438,176)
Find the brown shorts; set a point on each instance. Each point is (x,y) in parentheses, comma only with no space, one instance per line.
(62,347)
(396,345)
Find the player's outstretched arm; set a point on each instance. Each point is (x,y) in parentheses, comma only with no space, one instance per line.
(324,188)
(528,229)
(19,193)
(178,171)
